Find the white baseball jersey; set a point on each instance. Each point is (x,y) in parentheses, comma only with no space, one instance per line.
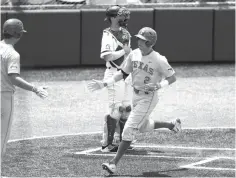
(151,68)
(147,69)
(114,41)
(10,63)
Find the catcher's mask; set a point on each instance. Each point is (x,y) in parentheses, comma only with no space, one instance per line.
(117,10)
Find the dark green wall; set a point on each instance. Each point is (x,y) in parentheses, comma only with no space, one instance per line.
(224,35)
(184,35)
(73,37)
(53,38)
(3,18)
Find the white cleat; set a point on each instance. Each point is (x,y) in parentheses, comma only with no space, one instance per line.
(177,125)
(110,168)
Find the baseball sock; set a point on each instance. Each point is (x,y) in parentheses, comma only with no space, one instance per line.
(163,125)
(111,126)
(124,145)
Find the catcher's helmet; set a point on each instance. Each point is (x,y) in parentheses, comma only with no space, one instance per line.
(13,27)
(148,34)
(116,10)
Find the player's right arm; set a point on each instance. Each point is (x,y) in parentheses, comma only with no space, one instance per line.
(108,52)
(13,70)
(121,74)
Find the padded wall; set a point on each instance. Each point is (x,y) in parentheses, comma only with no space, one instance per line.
(92,24)
(184,35)
(3,19)
(53,38)
(224,35)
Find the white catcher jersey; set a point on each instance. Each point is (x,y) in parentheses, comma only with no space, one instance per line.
(10,63)
(114,41)
(147,69)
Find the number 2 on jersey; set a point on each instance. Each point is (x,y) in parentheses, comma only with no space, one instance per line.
(146,80)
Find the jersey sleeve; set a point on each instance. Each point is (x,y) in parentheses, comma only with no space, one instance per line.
(128,67)
(13,66)
(167,70)
(106,44)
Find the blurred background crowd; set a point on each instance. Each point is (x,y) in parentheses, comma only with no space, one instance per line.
(100,2)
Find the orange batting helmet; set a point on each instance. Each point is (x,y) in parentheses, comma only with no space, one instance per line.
(148,34)
(13,27)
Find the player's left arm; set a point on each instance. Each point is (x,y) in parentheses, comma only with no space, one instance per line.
(13,70)
(167,72)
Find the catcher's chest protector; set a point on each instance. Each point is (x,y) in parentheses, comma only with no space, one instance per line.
(123,37)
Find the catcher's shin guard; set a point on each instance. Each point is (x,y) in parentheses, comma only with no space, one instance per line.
(122,125)
(111,126)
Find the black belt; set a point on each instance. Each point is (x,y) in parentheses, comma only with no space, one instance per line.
(138,91)
(113,67)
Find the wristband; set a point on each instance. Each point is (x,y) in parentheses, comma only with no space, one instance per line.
(109,82)
(164,83)
(34,89)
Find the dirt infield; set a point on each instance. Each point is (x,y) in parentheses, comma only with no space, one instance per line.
(191,153)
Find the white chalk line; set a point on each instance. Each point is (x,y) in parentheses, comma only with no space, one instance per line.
(213,168)
(188,148)
(89,152)
(194,165)
(52,136)
(85,152)
(140,156)
(100,132)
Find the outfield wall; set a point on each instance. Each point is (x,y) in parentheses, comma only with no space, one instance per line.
(73,37)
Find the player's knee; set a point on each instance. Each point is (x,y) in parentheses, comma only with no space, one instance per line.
(147,126)
(115,111)
(125,112)
(129,134)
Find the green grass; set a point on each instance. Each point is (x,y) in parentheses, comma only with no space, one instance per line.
(203,96)
(183,70)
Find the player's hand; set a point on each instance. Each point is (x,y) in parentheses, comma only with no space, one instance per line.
(152,86)
(41,92)
(95,85)
(127,49)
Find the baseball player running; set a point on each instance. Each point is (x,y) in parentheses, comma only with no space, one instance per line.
(115,46)
(10,76)
(150,72)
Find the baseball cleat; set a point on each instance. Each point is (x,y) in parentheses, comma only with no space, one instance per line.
(109,148)
(110,168)
(177,125)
